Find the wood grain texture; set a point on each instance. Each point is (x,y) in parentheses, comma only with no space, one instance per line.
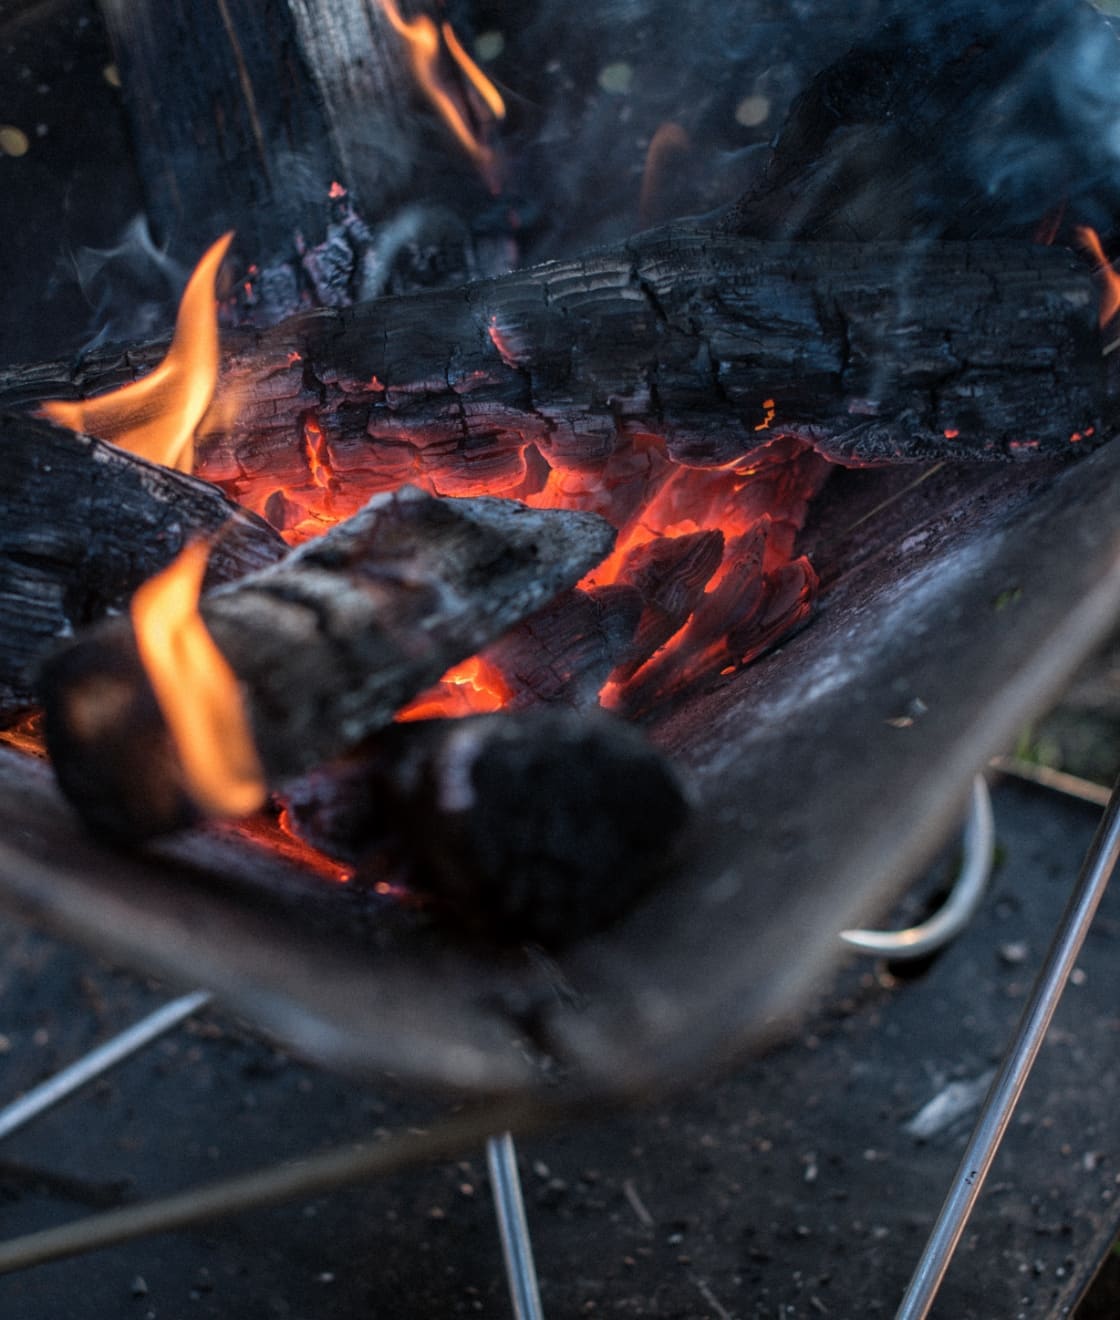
(327,645)
(82,524)
(873,353)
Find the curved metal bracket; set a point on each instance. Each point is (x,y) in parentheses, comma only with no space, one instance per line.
(960,907)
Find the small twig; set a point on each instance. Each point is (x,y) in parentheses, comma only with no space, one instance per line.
(891,499)
(1058,780)
(637,1204)
(96,1195)
(710,1297)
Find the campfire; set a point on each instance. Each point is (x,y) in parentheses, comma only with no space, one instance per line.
(405,569)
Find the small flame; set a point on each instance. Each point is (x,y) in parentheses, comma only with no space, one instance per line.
(478,80)
(196,690)
(1110,298)
(424,45)
(669,143)
(156,417)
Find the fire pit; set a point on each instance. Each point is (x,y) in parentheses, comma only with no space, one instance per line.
(719,371)
(691,384)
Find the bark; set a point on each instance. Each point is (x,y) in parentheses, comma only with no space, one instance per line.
(82,524)
(711,342)
(543,826)
(327,645)
(239,115)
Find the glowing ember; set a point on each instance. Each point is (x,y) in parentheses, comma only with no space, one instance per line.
(26,734)
(505,352)
(156,417)
(277,836)
(768,409)
(1110,297)
(473,688)
(318,460)
(197,691)
(648,497)
(424,43)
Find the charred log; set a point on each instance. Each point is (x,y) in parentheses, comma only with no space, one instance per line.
(717,344)
(82,524)
(284,104)
(543,826)
(564,653)
(327,646)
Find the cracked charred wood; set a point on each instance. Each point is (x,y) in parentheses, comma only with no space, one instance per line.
(82,524)
(326,645)
(266,120)
(292,111)
(564,653)
(714,344)
(541,826)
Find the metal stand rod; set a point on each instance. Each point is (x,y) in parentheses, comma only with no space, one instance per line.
(517,1248)
(1099,864)
(47,1094)
(294,1180)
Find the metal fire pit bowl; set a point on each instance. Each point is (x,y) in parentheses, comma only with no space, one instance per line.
(954,608)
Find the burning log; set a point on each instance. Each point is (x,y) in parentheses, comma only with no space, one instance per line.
(564,653)
(82,524)
(542,826)
(712,342)
(325,647)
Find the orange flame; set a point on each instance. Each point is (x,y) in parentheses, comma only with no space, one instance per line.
(196,690)
(1110,298)
(478,80)
(666,147)
(423,39)
(156,417)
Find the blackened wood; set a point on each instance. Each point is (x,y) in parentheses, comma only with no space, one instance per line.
(228,127)
(82,524)
(564,653)
(244,113)
(872,353)
(670,575)
(714,343)
(751,607)
(541,826)
(327,645)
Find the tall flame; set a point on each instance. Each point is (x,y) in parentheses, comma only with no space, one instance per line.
(196,690)
(156,417)
(1110,298)
(423,41)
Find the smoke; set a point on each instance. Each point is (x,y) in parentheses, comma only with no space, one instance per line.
(131,288)
(1041,127)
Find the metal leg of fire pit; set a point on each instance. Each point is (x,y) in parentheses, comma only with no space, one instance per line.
(55,1089)
(517,1248)
(1099,864)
